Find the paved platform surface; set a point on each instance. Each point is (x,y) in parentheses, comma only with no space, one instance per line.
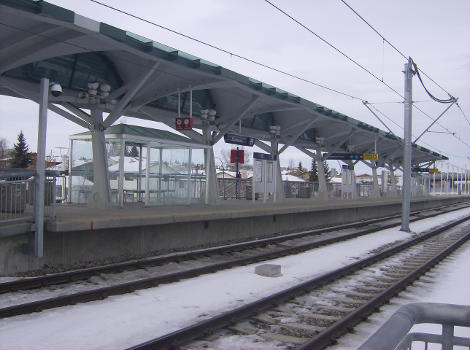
(73,217)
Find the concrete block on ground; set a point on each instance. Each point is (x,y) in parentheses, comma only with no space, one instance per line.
(268,270)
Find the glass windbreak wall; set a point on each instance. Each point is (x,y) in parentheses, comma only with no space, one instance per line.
(81,176)
(175,174)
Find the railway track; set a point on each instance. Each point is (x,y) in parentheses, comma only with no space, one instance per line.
(208,260)
(312,314)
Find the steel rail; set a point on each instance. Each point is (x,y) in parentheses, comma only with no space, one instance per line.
(327,336)
(75,275)
(128,287)
(184,335)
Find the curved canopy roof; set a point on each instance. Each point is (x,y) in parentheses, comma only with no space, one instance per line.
(38,39)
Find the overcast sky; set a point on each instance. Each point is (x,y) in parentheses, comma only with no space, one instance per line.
(434,33)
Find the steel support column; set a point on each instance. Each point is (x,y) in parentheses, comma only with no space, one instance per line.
(321,176)
(375,181)
(40,170)
(100,197)
(279,190)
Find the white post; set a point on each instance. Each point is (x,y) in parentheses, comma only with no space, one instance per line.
(121,174)
(253,192)
(160,171)
(406,193)
(265,178)
(139,178)
(69,196)
(147,176)
(375,181)
(40,169)
(189,175)
(275,179)
(447,178)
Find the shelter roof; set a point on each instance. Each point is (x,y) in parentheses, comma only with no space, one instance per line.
(141,133)
(44,40)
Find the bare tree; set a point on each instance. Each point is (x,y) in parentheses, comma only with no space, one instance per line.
(291,164)
(3,147)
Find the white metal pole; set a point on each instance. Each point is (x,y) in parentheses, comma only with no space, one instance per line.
(69,195)
(160,172)
(406,198)
(147,176)
(253,180)
(40,169)
(121,173)
(447,178)
(265,178)
(189,175)
(190,102)
(139,177)
(275,180)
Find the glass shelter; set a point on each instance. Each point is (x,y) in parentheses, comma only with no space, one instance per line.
(145,165)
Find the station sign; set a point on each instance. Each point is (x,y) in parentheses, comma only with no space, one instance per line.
(426,170)
(421,170)
(344,156)
(239,140)
(237,155)
(184,123)
(264,156)
(370,156)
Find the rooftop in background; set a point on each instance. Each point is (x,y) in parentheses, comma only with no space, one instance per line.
(43,40)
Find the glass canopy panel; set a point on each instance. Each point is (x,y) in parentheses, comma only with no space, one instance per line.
(198,175)
(71,71)
(201,100)
(172,179)
(81,171)
(259,122)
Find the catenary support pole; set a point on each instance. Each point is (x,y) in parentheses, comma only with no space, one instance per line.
(406,195)
(40,169)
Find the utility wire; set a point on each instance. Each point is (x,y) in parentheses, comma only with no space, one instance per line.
(226,51)
(333,47)
(449,100)
(262,64)
(354,61)
(463,113)
(391,45)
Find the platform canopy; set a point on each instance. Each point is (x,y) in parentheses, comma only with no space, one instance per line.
(38,39)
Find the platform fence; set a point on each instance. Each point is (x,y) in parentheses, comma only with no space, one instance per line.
(395,332)
(17,194)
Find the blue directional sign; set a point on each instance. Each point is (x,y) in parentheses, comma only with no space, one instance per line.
(344,156)
(239,140)
(421,170)
(264,156)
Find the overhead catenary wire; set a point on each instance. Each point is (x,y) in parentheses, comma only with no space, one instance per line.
(91,50)
(391,45)
(449,100)
(231,53)
(357,63)
(333,47)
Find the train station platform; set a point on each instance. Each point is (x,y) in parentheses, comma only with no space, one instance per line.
(82,236)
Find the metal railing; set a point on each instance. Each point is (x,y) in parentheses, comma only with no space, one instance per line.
(17,194)
(394,333)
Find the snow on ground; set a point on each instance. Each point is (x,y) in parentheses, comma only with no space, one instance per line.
(452,286)
(126,320)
